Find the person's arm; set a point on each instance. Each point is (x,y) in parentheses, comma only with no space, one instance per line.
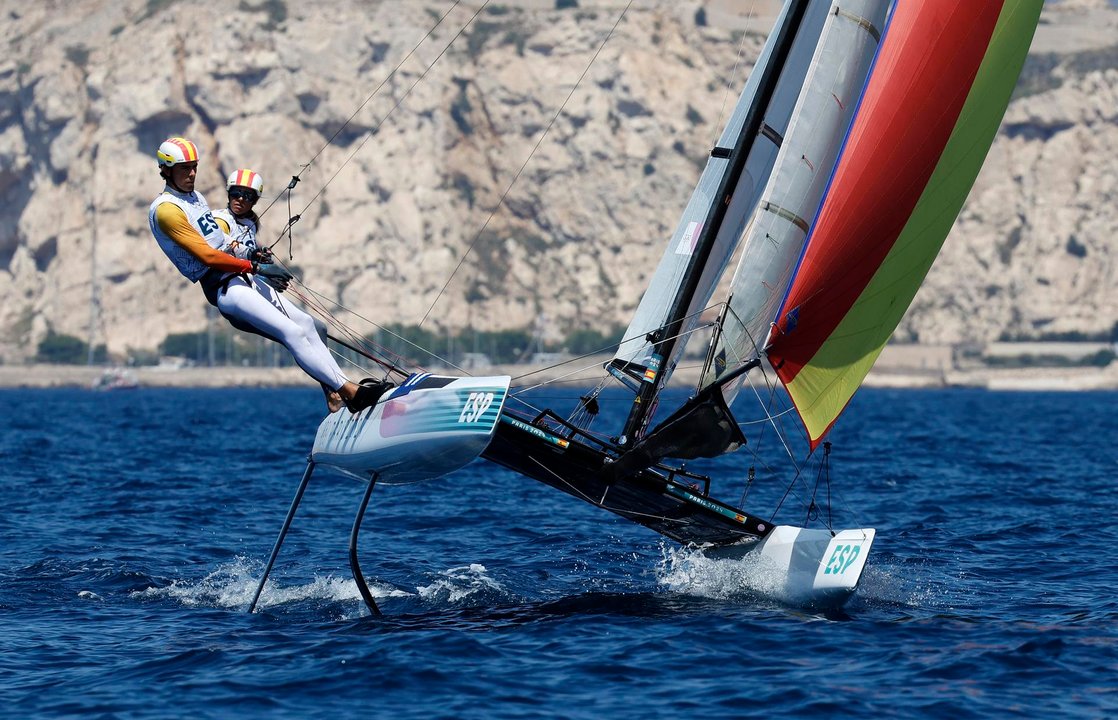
(172,220)
(234,247)
(231,246)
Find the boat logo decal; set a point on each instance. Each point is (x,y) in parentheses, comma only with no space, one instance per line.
(410,384)
(841,559)
(421,381)
(703,502)
(532,429)
(476,405)
(792,319)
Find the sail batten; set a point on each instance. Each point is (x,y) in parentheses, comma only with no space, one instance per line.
(722,203)
(935,98)
(775,240)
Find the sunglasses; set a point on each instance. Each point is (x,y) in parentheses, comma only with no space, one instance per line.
(246,195)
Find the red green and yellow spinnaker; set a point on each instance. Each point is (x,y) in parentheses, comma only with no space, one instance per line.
(930,110)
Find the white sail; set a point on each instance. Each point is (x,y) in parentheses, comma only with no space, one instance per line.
(652,313)
(803,168)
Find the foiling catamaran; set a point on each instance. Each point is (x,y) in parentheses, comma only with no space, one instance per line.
(835,182)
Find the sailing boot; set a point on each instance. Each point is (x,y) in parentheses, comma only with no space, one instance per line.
(369,391)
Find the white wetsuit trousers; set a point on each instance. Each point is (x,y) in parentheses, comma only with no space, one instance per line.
(259,309)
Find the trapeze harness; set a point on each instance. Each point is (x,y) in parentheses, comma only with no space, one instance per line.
(246,301)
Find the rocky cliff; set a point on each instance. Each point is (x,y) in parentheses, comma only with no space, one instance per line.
(401,202)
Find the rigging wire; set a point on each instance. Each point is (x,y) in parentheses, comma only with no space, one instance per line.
(812,508)
(565,377)
(356,342)
(594,353)
(824,469)
(363,341)
(313,299)
(373,131)
(772,420)
(827,471)
(765,421)
(295,178)
(754,449)
(768,405)
(320,306)
(501,200)
(733,74)
(293,218)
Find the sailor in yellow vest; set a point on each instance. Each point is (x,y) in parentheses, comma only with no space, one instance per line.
(234,274)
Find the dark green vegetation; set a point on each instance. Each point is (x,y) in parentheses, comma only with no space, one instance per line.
(65,349)
(421,346)
(1069,336)
(405,344)
(224,346)
(1100,359)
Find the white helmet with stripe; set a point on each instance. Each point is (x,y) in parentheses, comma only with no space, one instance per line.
(176,150)
(245,179)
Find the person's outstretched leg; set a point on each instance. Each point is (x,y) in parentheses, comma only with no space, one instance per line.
(243,305)
(314,330)
(263,311)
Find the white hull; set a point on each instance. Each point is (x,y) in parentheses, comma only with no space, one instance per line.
(814,569)
(428,426)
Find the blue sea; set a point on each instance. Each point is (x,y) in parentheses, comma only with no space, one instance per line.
(136,525)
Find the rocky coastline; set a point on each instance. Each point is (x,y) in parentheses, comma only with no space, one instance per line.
(1031,255)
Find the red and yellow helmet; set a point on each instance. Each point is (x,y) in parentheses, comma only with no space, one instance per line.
(176,150)
(245,179)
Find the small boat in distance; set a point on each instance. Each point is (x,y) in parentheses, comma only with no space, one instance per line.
(116,379)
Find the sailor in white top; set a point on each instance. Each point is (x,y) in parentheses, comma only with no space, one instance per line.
(235,273)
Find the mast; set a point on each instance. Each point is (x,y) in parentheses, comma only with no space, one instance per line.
(665,338)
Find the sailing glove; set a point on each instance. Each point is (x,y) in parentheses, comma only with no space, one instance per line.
(274,275)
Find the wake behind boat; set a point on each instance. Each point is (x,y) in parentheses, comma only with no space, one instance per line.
(835,182)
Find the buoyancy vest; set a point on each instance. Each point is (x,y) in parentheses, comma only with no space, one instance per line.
(241,230)
(200,217)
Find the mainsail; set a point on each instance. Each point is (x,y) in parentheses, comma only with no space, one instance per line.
(807,158)
(715,218)
(940,85)
(891,182)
